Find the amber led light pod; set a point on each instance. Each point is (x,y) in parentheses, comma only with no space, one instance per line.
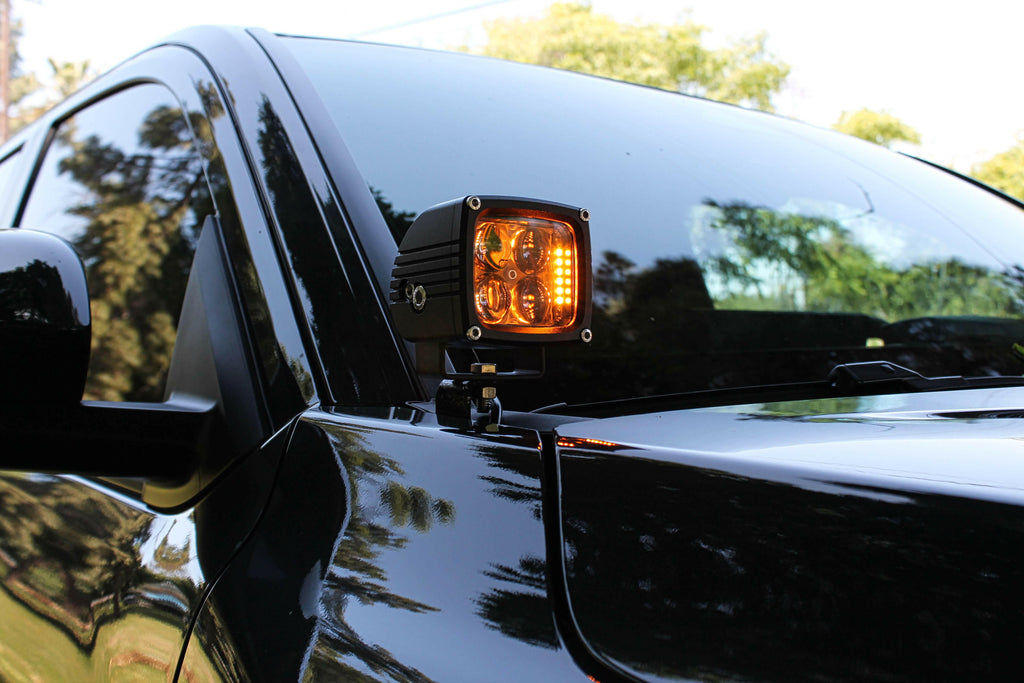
(494,268)
(524,272)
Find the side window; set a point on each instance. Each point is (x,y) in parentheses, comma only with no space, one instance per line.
(123,183)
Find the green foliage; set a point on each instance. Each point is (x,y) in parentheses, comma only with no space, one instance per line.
(1004,171)
(28,96)
(572,36)
(879,127)
(21,86)
(69,76)
(788,261)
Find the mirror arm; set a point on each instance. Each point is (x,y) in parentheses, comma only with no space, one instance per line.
(156,441)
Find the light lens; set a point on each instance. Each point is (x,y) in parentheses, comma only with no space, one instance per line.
(533,303)
(531,249)
(525,272)
(492,300)
(492,246)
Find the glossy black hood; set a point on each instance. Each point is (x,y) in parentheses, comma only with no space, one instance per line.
(966,443)
(746,542)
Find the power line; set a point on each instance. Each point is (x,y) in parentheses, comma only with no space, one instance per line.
(423,20)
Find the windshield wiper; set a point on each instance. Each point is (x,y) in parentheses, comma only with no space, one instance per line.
(882,377)
(848,379)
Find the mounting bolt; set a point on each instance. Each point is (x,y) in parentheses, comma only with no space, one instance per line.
(484,398)
(586,335)
(419,298)
(473,203)
(474,333)
(483,369)
(585,215)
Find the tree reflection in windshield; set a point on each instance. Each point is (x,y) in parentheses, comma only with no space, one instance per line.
(811,229)
(773,297)
(776,260)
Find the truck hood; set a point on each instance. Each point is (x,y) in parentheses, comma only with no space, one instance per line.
(957,442)
(736,542)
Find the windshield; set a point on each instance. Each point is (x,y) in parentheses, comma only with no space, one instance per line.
(730,248)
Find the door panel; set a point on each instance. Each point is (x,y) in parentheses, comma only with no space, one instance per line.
(395,550)
(94,586)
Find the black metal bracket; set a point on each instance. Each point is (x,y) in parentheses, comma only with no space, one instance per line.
(455,360)
(467,404)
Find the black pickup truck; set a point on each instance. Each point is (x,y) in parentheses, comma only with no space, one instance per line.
(324,360)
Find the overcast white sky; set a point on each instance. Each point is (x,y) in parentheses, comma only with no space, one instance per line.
(952,70)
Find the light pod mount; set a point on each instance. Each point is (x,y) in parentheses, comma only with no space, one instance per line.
(494,269)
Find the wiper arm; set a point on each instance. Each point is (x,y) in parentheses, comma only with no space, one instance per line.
(883,377)
(848,379)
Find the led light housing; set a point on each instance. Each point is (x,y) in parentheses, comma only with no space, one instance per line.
(502,269)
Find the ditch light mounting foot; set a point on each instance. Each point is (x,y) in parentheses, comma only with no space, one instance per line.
(472,373)
(467,404)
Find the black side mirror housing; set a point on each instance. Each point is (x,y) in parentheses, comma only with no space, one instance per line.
(45,327)
(167,452)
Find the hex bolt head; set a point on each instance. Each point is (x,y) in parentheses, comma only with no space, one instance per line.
(473,203)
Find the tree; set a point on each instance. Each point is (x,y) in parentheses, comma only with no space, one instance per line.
(879,127)
(1004,171)
(27,97)
(792,261)
(20,85)
(69,76)
(65,78)
(572,36)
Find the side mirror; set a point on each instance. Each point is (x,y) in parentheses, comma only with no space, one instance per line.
(171,451)
(44,320)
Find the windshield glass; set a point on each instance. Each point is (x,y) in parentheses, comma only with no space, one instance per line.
(730,248)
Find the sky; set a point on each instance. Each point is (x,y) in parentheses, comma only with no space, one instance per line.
(951,70)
